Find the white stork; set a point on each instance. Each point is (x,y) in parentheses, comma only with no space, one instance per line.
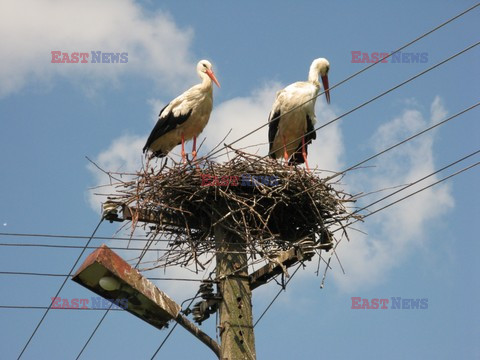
(290,131)
(184,117)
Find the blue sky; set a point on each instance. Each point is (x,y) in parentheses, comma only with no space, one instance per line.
(53,115)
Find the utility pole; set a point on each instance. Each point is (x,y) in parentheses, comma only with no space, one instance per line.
(235,309)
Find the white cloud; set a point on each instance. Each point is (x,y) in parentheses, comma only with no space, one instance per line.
(123,155)
(399,230)
(156,105)
(242,115)
(156,47)
(327,150)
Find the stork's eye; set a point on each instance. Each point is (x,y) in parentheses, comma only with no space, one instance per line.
(204,65)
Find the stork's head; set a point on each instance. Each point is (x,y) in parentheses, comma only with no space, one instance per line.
(205,67)
(320,67)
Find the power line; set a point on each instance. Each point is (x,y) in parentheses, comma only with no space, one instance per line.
(403,141)
(77,237)
(93,333)
(111,248)
(23,273)
(417,181)
(165,339)
(276,296)
(410,185)
(348,78)
(420,190)
(60,289)
(78,247)
(59,236)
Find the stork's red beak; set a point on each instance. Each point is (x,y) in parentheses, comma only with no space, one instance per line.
(325,88)
(212,76)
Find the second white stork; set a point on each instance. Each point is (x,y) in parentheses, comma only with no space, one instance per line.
(292,119)
(184,117)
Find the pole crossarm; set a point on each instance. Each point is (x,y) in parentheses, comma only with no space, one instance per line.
(132,213)
(279,264)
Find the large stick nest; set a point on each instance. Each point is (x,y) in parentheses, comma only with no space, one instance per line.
(266,204)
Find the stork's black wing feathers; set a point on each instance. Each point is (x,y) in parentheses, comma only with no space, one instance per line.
(297,157)
(272,131)
(165,123)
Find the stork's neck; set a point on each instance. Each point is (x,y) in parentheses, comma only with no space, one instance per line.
(313,75)
(206,81)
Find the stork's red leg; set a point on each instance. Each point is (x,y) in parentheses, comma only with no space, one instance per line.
(194,148)
(184,157)
(304,153)
(285,154)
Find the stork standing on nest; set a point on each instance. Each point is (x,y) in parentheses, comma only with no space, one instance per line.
(184,117)
(290,131)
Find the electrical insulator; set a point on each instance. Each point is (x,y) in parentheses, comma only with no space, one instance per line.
(109,211)
(206,290)
(209,305)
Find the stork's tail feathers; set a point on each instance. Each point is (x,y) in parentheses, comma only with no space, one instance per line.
(158,154)
(296,158)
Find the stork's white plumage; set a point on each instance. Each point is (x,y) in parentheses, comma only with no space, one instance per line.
(290,132)
(184,117)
